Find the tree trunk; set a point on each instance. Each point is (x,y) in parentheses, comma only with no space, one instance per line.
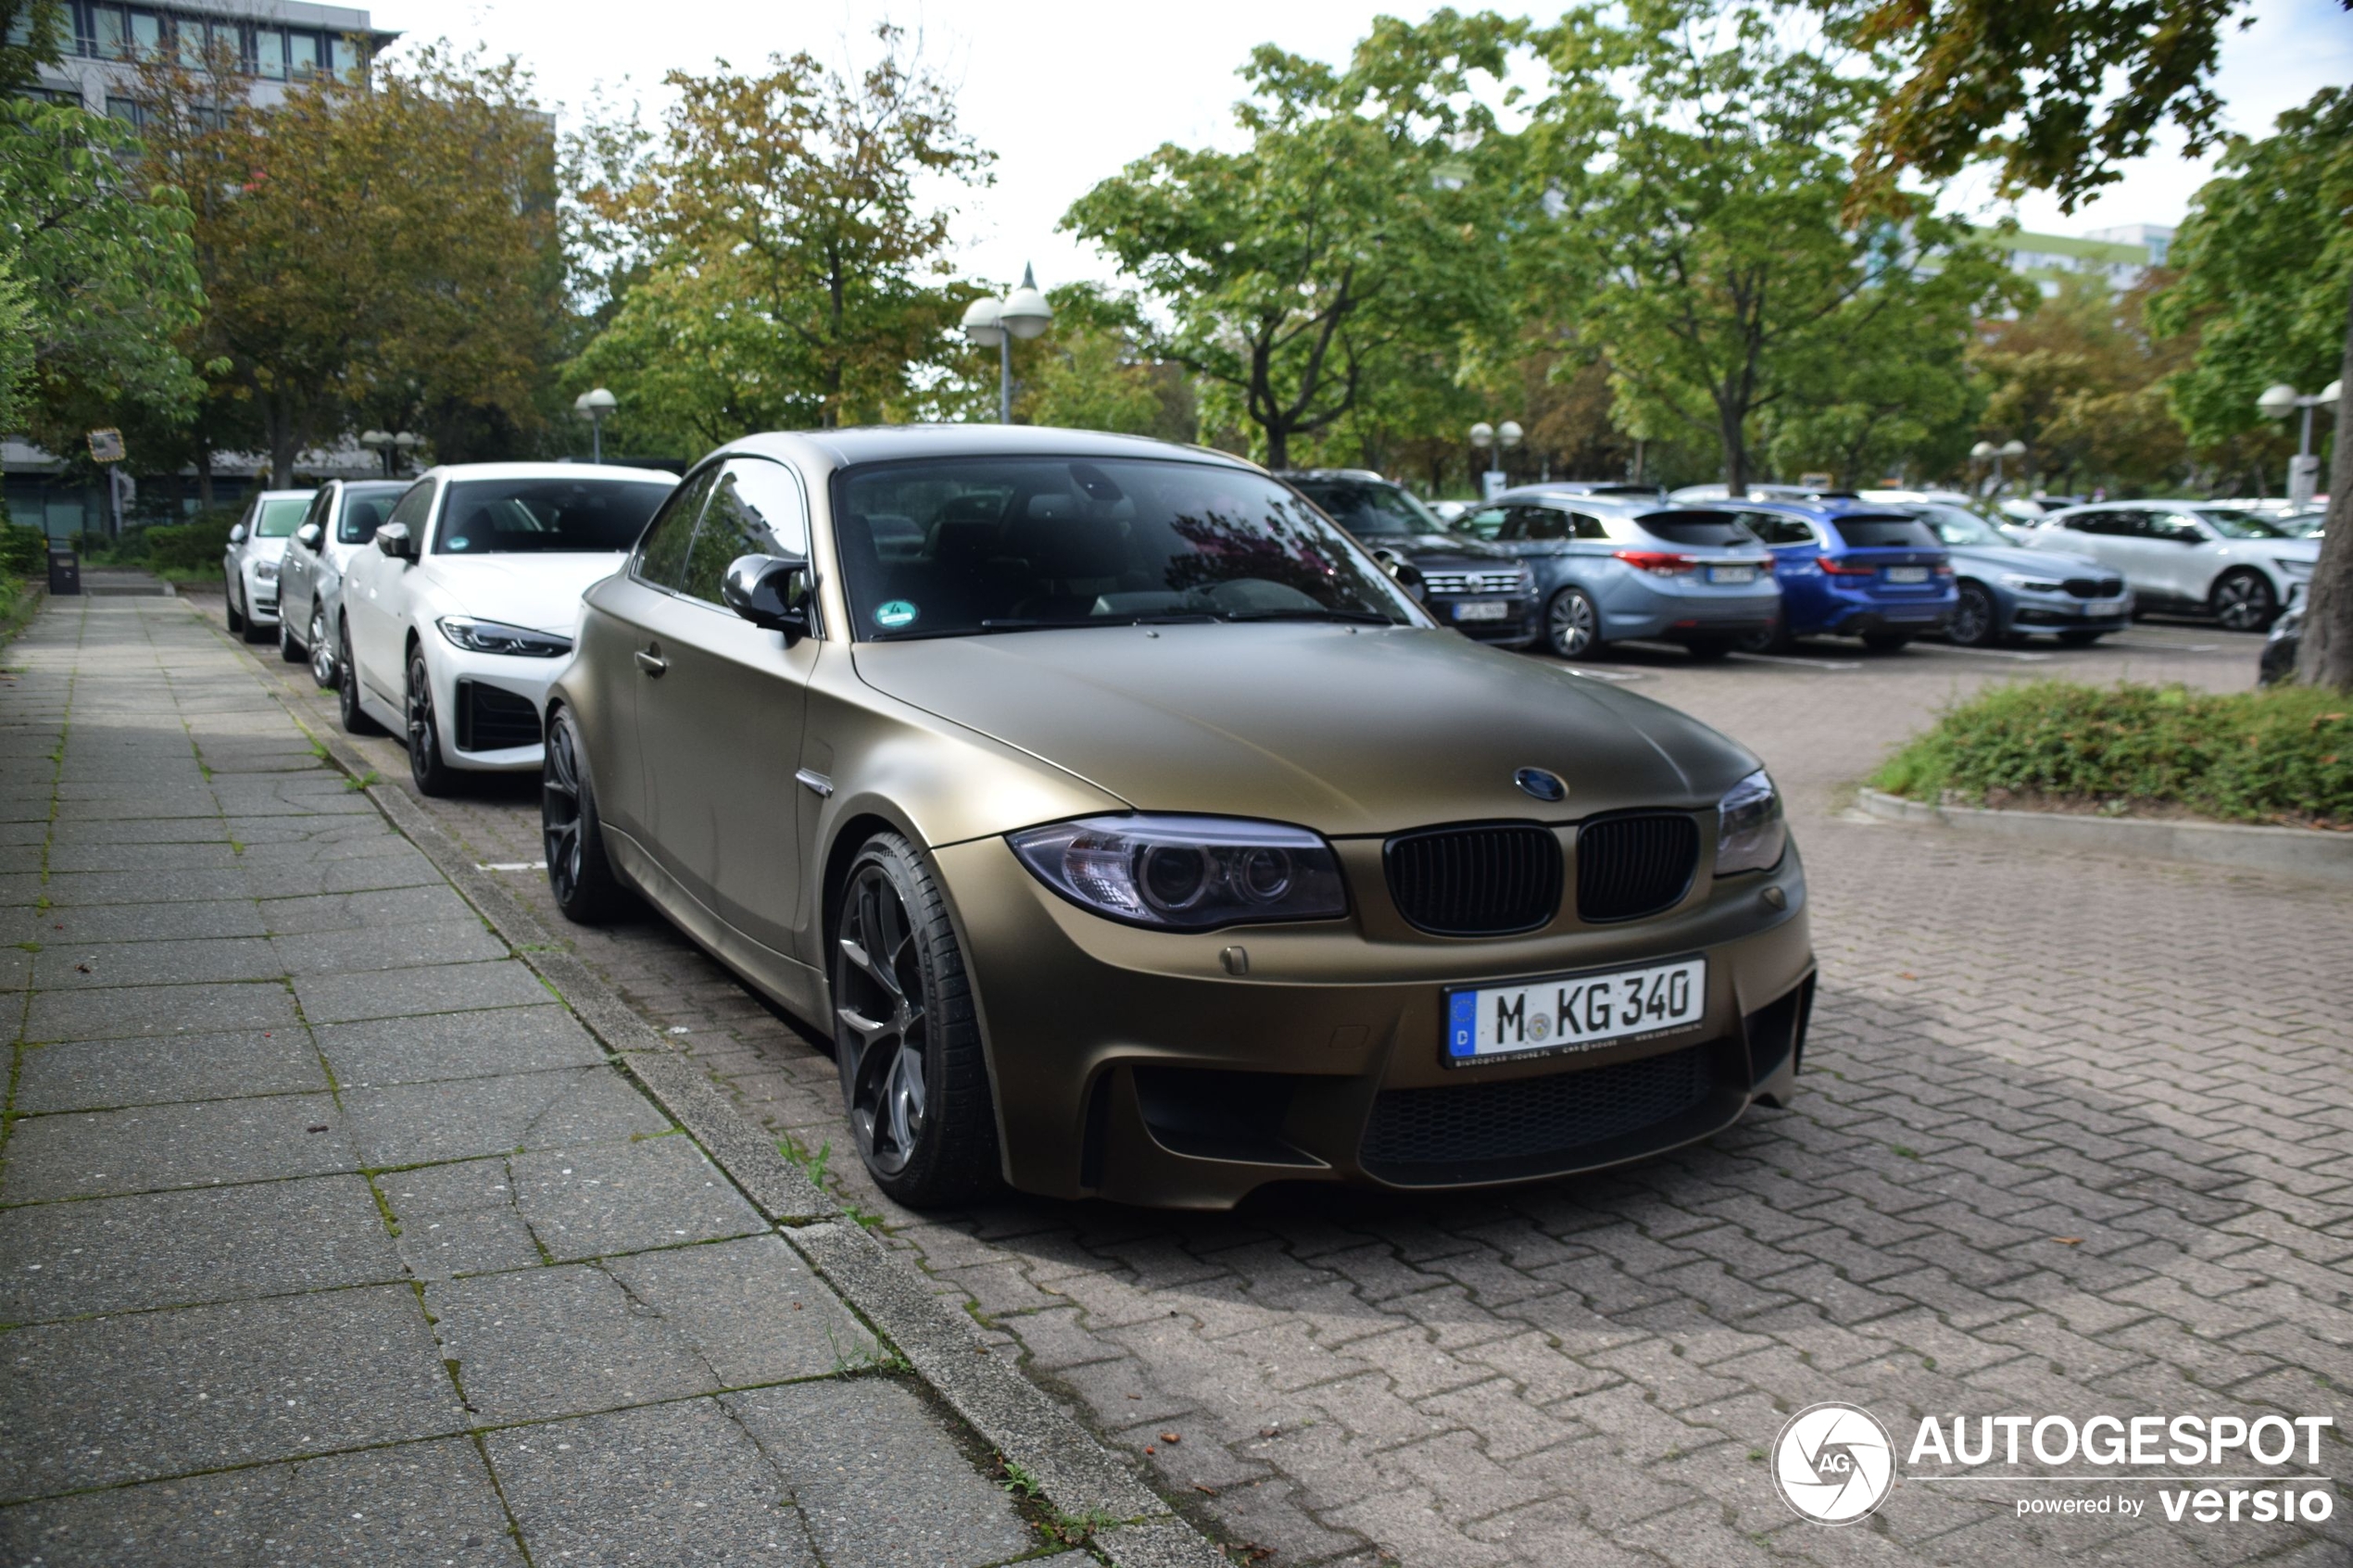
(204,475)
(2325,657)
(1277,447)
(1736,452)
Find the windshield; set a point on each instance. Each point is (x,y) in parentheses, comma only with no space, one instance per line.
(1957,527)
(280,518)
(1869,531)
(957,545)
(2242,525)
(1697,528)
(364,509)
(1368,509)
(497,517)
(2304,525)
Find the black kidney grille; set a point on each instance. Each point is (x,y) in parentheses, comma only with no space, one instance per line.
(1628,867)
(1533,1116)
(2095,587)
(1476,880)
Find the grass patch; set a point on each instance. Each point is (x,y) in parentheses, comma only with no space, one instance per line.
(2283,755)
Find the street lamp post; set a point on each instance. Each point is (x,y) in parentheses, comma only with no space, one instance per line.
(593,406)
(389,448)
(1986,452)
(2279,402)
(1502,438)
(996,322)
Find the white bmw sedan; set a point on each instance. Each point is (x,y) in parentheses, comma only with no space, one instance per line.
(454,624)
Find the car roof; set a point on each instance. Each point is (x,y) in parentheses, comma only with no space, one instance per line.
(875,443)
(1822,506)
(547,471)
(1630,504)
(284,495)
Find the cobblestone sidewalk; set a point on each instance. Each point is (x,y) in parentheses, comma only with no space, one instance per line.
(327,1237)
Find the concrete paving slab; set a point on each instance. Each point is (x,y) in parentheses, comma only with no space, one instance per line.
(153,922)
(398,993)
(91,1074)
(483,1241)
(106,1400)
(457,1045)
(751,1309)
(121,1011)
(65,965)
(137,856)
(670,1486)
(534,1344)
(205,1143)
(386,947)
(369,875)
(358,911)
(461,1117)
(626,1196)
(877,1476)
(158,1250)
(144,887)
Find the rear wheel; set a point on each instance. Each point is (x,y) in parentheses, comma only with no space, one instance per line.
(432,775)
(1572,624)
(905,1036)
(355,721)
(2243,601)
(1772,639)
(1886,642)
(578,873)
(1976,623)
(322,653)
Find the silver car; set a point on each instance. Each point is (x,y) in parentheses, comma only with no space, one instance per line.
(249,566)
(2209,557)
(341,522)
(1612,567)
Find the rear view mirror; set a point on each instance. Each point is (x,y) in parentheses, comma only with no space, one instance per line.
(309,535)
(770,592)
(392,540)
(237,535)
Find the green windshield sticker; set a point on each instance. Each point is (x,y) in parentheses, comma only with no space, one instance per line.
(894,614)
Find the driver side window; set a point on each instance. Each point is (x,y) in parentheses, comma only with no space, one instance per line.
(414,508)
(2177,527)
(754,510)
(661,554)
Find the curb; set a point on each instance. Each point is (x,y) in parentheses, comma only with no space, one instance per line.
(1132,1527)
(2305,852)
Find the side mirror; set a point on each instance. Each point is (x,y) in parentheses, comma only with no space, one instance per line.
(392,540)
(309,535)
(1409,577)
(237,535)
(772,592)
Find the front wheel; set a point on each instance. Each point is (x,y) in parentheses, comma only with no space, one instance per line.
(2243,601)
(905,1036)
(1976,623)
(1572,624)
(1886,642)
(432,775)
(1707,650)
(322,653)
(578,873)
(1772,639)
(288,649)
(236,616)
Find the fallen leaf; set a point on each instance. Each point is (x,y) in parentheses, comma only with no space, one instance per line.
(1204,1491)
(1135,1396)
(1149,1449)
(2069,1240)
(1908,975)
(1170,1438)
(320,1128)
(1270,1431)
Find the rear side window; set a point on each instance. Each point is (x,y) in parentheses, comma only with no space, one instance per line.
(1885,531)
(1775,529)
(1697,528)
(661,555)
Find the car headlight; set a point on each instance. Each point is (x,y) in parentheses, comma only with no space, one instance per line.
(494,637)
(2299,567)
(265,572)
(2031,585)
(1750,831)
(1186,873)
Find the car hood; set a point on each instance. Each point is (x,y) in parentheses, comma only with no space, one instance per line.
(2281,549)
(1348,733)
(2016,558)
(538,592)
(1437,549)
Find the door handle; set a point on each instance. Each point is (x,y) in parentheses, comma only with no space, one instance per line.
(651,660)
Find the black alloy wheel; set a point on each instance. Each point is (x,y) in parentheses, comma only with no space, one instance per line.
(236,616)
(1976,621)
(432,775)
(323,655)
(905,1036)
(2243,601)
(573,835)
(356,720)
(1572,624)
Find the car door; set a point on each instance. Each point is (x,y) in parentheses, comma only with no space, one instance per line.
(1797,567)
(299,569)
(376,601)
(2182,555)
(720,713)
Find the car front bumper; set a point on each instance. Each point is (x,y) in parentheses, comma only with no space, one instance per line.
(487,707)
(1515,625)
(2064,612)
(1138,1066)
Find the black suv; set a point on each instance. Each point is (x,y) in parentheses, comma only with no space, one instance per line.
(1480,590)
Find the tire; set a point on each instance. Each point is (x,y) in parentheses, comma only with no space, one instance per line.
(1977,620)
(1572,624)
(323,667)
(2243,601)
(1886,642)
(236,616)
(1707,650)
(1773,639)
(430,771)
(288,649)
(355,718)
(579,874)
(905,1034)
(2080,639)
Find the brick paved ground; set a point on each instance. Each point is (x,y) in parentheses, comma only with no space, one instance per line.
(2073,1138)
(326,1239)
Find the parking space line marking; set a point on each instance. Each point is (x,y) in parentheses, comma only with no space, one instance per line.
(1604,675)
(1988,653)
(2165,648)
(1801,663)
(511,866)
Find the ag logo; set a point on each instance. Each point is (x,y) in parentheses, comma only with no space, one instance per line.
(1833,1463)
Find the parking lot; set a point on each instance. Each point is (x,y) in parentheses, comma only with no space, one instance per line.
(2073,1138)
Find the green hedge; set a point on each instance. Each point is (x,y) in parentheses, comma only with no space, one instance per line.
(191,549)
(2281,755)
(24,551)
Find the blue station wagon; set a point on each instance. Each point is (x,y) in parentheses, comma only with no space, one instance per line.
(1849,569)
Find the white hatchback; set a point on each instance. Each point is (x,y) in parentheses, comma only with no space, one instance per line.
(2207,558)
(249,566)
(454,624)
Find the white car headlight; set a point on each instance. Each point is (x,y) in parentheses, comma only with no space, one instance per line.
(495,636)
(1750,831)
(265,572)
(2031,585)
(1186,873)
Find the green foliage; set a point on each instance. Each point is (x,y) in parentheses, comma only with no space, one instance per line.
(32,33)
(2285,754)
(24,550)
(187,552)
(2266,260)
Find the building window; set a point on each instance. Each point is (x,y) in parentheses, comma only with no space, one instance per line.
(302,55)
(129,111)
(112,39)
(270,53)
(146,34)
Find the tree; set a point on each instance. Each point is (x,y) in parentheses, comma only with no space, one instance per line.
(774,259)
(2060,94)
(32,32)
(1352,235)
(1695,152)
(1096,371)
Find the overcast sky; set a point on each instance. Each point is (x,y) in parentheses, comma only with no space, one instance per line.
(1066,94)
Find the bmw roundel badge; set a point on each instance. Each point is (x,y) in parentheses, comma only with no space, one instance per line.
(1542,785)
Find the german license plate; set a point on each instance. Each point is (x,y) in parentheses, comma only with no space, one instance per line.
(2117,608)
(1732,574)
(1908,575)
(1483,610)
(1575,1013)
